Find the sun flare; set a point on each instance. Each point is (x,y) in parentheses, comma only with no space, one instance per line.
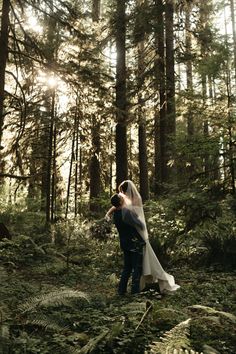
(32,23)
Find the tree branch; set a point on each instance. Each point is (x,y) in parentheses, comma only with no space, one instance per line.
(9,175)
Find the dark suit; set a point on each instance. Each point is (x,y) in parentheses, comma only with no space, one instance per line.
(132,245)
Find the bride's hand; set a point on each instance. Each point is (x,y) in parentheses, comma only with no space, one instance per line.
(107,217)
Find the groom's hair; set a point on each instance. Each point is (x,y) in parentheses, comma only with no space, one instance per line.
(115,200)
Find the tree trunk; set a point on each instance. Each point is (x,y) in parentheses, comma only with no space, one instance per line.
(143,162)
(189,73)
(143,158)
(54,165)
(230,120)
(49,210)
(70,171)
(160,173)
(43,144)
(234,34)
(94,168)
(205,130)
(33,192)
(215,158)
(121,103)
(77,116)
(3,59)
(170,88)
(80,177)
(204,18)
(76,169)
(96,10)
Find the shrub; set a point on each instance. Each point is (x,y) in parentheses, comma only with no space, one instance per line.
(219,238)
(21,250)
(101,229)
(164,230)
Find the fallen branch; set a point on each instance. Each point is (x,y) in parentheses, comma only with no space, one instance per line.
(149,307)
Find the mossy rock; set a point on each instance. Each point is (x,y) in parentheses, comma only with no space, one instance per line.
(211,330)
(199,310)
(165,319)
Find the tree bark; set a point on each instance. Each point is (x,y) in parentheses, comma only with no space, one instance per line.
(189,73)
(232,8)
(3,58)
(160,173)
(189,70)
(204,18)
(170,88)
(70,173)
(230,120)
(49,194)
(54,166)
(76,159)
(143,158)
(121,100)
(94,168)
(96,10)
(215,157)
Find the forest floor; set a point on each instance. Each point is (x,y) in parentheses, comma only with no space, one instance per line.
(199,316)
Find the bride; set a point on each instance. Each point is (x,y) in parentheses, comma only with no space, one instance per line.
(152,269)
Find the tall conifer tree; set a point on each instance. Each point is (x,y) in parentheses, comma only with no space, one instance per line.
(121,99)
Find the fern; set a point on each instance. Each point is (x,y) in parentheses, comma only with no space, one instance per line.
(54,298)
(46,323)
(4,338)
(174,340)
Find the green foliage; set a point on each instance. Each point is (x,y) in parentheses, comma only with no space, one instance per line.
(101,229)
(42,283)
(55,298)
(193,226)
(21,250)
(177,338)
(219,238)
(164,229)
(194,207)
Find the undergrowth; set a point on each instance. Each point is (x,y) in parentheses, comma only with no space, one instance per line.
(58,287)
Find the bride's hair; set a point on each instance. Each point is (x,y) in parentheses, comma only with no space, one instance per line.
(123,186)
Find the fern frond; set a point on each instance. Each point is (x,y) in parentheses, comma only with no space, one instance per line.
(3,274)
(4,338)
(174,340)
(53,298)
(45,323)
(4,332)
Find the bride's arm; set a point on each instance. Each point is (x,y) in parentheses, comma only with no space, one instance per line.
(110,212)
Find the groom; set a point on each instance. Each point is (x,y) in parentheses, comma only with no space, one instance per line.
(131,244)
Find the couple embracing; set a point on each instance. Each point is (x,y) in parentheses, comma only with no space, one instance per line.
(139,257)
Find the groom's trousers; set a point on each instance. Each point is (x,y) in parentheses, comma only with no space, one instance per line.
(132,265)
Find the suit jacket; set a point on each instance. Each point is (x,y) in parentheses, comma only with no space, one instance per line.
(129,236)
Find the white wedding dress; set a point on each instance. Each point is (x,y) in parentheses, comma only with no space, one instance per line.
(152,270)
